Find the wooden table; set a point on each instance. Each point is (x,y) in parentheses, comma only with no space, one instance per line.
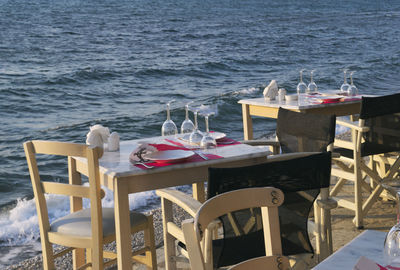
(263,108)
(368,244)
(123,178)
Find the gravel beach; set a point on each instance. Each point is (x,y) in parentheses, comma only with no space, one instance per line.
(381,217)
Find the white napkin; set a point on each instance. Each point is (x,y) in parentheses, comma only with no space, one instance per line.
(140,152)
(97,136)
(113,142)
(271,91)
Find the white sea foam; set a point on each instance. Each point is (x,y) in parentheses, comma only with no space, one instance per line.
(19,226)
(341,129)
(247,91)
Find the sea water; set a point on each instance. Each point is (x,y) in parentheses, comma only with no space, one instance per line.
(67,65)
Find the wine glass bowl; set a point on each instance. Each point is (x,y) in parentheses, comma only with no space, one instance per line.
(208,141)
(344,88)
(301,86)
(391,250)
(196,135)
(187,126)
(312,86)
(168,127)
(352,90)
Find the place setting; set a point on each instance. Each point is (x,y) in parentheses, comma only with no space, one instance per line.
(190,145)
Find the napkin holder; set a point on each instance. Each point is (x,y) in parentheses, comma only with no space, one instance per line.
(113,142)
(271,91)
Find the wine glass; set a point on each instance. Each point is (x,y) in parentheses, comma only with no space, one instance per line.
(208,141)
(391,250)
(301,87)
(187,125)
(345,86)
(312,86)
(169,127)
(196,135)
(352,90)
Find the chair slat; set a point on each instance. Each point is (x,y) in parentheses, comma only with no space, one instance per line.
(59,148)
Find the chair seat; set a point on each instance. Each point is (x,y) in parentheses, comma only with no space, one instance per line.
(78,223)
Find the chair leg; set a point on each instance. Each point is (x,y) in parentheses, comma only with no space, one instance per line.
(97,258)
(358,200)
(78,258)
(48,255)
(317,231)
(149,241)
(169,240)
(89,258)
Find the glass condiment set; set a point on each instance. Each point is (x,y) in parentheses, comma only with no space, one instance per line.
(190,130)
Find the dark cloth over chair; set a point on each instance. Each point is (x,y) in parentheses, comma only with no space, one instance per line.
(300,179)
(299,132)
(379,114)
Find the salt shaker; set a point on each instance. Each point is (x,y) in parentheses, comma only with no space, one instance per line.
(281,94)
(113,142)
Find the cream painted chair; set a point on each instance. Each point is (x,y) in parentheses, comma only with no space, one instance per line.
(86,228)
(372,153)
(301,175)
(263,263)
(195,231)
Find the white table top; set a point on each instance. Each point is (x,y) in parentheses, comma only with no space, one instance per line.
(368,244)
(117,164)
(301,104)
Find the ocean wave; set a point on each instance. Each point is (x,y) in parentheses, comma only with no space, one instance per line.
(19,226)
(247,91)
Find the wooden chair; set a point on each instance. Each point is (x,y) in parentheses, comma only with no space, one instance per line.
(376,137)
(86,228)
(263,263)
(301,132)
(306,132)
(196,231)
(300,175)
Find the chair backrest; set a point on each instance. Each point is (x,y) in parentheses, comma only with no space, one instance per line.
(40,188)
(304,132)
(267,198)
(300,179)
(382,116)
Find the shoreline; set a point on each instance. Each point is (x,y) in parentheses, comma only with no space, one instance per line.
(65,262)
(382,217)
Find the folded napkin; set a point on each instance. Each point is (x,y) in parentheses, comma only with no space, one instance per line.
(97,136)
(271,91)
(144,148)
(140,152)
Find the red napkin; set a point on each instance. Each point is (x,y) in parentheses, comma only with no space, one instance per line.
(164,147)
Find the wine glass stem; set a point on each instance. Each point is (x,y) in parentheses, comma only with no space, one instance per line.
(195,120)
(168,114)
(186,113)
(207,130)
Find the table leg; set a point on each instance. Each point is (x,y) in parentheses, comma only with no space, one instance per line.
(247,122)
(199,192)
(122,225)
(78,255)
